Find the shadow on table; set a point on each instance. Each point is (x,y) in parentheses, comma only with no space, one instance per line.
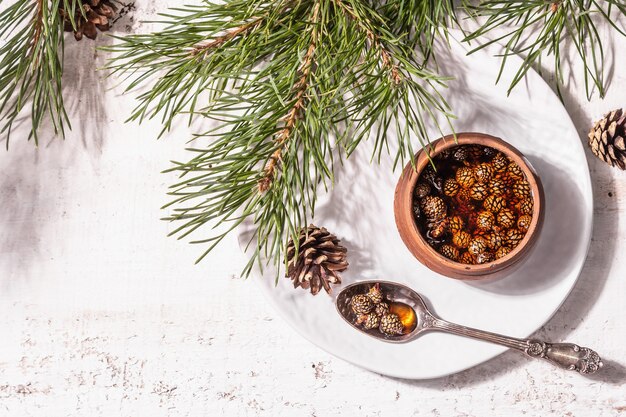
(32,176)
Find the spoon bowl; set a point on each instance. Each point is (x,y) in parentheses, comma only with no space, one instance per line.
(395,292)
(564,355)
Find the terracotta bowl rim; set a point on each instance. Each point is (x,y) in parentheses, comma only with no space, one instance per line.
(470,138)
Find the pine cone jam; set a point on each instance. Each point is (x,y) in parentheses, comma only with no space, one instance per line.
(483,210)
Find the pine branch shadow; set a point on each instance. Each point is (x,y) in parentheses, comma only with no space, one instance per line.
(84,89)
(34,177)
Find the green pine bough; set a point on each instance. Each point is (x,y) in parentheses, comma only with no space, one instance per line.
(293,87)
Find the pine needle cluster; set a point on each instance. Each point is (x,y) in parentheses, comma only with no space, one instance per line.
(294,85)
(31,64)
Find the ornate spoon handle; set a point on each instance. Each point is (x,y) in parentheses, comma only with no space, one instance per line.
(564,355)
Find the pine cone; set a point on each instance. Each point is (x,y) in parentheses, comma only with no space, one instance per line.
(391,325)
(319,260)
(607,139)
(97,15)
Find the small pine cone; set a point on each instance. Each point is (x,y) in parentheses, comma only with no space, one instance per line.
(372,322)
(479,192)
(460,154)
(430,176)
(494,240)
(449,252)
(515,171)
(467,258)
(450,187)
(477,246)
(506,218)
(523,223)
(497,186)
(484,258)
(375,294)
(98,15)
(461,239)
(439,228)
(417,212)
(456,224)
(494,203)
(521,189)
(525,206)
(485,220)
(361,304)
(514,237)
(500,162)
(607,139)
(489,151)
(422,190)
(433,208)
(475,152)
(506,179)
(465,177)
(391,325)
(503,251)
(483,172)
(381,309)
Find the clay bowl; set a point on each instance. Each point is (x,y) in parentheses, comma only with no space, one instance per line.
(425,253)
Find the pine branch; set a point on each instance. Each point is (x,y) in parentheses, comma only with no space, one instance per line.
(295,112)
(541,28)
(292,85)
(31,65)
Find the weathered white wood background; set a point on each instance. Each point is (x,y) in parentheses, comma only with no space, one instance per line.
(102,315)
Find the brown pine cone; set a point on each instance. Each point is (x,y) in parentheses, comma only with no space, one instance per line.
(485,220)
(98,15)
(477,246)
(422,190)
(479,192)
(515,171)
(381,309)
(514,237)
(494,240)
(372,322)
(461,239)
(497,186)
(361,304)
(494,203)
(433,207)
(465,177)
(449,252)
(506,218)
(483,172)
(450,187)
(484,258)
(525,206)
(467,258)
(503,251)
(391,325)
(521,189)
(500,162)
(319,260)
(456,224)
(607,139)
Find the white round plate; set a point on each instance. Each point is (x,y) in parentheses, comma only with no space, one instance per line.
(360,212)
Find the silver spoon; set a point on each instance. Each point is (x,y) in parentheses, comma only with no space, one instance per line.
(564,355)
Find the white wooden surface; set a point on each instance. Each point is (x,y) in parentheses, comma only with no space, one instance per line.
(102,315)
